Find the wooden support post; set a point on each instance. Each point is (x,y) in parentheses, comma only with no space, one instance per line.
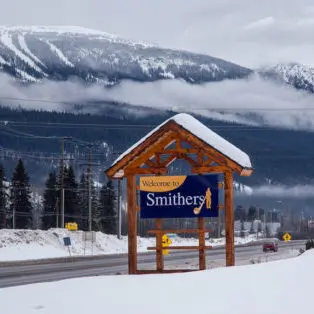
(229,218)
(159,255)
(132,224)
(201,240)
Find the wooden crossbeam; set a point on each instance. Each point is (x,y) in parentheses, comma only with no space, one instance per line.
(207,162)
(178,143)
(180,151)
(168,160)
(200,159)
(151,151)
(158,159)
(191,161)
(200,154)
(188,247)
(135,171)
(246,172)
(179,155)
(208,169)
(150,163)
(210,151)
(164,271)
(179,231)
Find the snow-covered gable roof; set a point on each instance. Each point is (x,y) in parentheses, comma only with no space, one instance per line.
(198,129)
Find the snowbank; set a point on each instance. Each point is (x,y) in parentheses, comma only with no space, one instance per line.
(37,244)
(236,290)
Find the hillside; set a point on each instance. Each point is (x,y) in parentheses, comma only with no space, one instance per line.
(27,134)
(297,75)
(31,54)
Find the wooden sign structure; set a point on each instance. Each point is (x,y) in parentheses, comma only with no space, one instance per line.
(180,137)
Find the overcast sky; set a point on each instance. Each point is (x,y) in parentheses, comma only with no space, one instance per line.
(248,32)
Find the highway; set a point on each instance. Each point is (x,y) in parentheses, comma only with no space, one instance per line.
(21,273)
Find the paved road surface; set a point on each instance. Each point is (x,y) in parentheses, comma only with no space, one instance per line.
(117,264)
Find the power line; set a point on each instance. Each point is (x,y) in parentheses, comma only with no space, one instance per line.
(127,126)
(52,155)
(55,155)
(29,134)
(69,124)
(20,134)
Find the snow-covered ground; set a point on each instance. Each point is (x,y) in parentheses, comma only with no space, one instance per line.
(38,244)
(254,256)
(267,288)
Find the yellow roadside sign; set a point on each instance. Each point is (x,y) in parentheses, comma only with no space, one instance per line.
(165,243)
(286,237)
(72,226)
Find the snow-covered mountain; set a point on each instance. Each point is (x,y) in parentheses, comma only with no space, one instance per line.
(298,75)
(33,53)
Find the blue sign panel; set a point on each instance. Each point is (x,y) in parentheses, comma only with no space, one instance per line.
(179,196)
(67,241)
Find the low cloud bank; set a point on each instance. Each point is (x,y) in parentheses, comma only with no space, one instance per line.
(248,101)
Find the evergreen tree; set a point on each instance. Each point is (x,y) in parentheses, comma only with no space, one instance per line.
(107,203)
(252,214)
(20,198)
(3,199)
(71,199)
(50,203)
(239,213)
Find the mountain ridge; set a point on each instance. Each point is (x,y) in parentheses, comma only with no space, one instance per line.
(30,54)
(33,53)
(299,75)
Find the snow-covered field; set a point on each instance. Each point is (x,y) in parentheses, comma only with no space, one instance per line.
(38,244)
(267,288)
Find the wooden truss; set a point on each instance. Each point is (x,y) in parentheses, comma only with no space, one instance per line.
(153,157)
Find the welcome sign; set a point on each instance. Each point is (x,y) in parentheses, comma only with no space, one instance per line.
(179,196)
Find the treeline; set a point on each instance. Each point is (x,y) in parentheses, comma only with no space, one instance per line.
(120,129)
(256,213)
(22,208)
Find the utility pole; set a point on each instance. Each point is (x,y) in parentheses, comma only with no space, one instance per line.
(57,212)
(61,183)
(257,221)
(119,209)
(89,172)
(89,165)
(62,179)
(265,227)
(13,218)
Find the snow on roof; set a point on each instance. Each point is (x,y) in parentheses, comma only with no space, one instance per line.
(201,131)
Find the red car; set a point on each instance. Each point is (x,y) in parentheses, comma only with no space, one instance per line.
(270,246)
